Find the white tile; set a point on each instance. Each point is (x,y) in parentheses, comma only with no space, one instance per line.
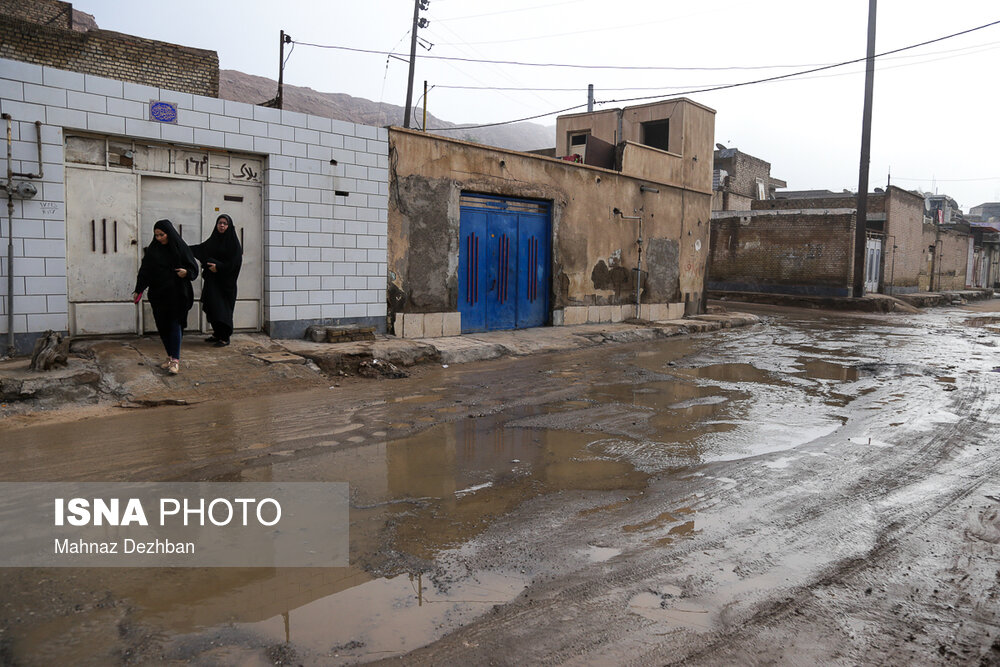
(101,86)
(142,128)
(319,123)
(253,127)
(266,114)
(22,111)
(294,118)
(239,142)
(97,122)
(208,104)
(209,138)
(283,132)
(139,92)
(60,78)
(196,119)
(44,95)
(239,109)
(265,145)
(182,100)
(224,123)
(176,133)
(293,149)
(86,102)
(127,108)
(19,71)
(343,127)
(66,118)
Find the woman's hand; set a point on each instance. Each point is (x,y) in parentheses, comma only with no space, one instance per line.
(211,267)
(181,273)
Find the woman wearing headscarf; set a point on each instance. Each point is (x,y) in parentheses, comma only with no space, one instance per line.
(167,270)
(221,257)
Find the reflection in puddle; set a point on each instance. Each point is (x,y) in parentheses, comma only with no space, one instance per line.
(386,617)
(825,370)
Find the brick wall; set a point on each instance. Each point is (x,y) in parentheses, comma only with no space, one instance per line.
(52,13)
(951,262)
(904,230)
(109,54)
(793,252)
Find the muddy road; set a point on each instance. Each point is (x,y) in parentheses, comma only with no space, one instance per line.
(819,488)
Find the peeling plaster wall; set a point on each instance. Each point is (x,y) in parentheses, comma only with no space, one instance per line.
(594,253)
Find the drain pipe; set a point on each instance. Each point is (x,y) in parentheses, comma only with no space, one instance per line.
(25,190)
(9,187)
(638,263)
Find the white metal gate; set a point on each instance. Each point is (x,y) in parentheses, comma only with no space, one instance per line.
(873,264)
(116,189)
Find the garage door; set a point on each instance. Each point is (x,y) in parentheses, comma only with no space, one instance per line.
(504,262)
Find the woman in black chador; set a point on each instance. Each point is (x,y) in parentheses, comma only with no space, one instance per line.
(221,257)
(167,270)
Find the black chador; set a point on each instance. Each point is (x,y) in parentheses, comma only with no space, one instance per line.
(221,257)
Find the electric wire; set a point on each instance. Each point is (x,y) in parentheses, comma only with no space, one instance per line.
(732,85)
(644,67)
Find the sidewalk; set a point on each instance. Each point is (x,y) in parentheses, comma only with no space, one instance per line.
(871,303)
(125,371)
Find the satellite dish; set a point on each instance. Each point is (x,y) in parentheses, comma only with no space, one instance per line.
(720,147)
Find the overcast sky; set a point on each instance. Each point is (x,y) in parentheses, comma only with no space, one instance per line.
(936,111)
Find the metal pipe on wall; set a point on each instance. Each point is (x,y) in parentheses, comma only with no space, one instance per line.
(10,189)
(9,186)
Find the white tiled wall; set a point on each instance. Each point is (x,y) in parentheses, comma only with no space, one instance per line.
(325,255)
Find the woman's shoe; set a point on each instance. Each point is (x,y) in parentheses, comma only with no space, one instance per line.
(221,343)
(175,367)
(165,365)
(212,339)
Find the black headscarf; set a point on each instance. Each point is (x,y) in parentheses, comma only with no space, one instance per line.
(169,294)
(222,249)
(218,294)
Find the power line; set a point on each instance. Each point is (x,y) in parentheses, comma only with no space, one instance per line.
(577,89)
(508,11)
(947,180)
(643,67)
(731,85)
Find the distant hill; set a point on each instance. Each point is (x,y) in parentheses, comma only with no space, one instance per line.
(240,87)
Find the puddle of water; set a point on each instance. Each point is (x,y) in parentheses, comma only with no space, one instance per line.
(735,372)
(664,607)
(596,554)
(352,625)
(826,370)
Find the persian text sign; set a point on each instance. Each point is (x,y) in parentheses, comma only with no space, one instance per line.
(162,112)
(174,524)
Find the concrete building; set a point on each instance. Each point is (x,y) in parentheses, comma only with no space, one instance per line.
(739,179)
(988,212)
(483,238)
(108,156)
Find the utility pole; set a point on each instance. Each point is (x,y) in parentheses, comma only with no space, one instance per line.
(417,23)
(861,221)
(285,39)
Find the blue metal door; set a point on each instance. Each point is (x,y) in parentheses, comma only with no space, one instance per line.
(533,270)
(503,268)
(501,262)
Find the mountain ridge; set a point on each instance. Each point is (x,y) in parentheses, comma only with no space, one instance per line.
(241,87)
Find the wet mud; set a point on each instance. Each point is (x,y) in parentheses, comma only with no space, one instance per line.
(811,489)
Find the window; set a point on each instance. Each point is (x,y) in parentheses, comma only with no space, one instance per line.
(656,134)
(761,190)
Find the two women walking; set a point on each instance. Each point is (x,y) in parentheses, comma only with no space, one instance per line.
(168,269)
